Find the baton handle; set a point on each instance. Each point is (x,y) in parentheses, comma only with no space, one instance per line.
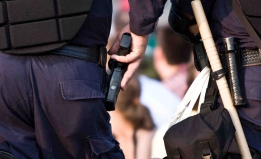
(222,82)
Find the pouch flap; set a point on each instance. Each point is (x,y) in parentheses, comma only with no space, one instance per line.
(80,89)
(100,145)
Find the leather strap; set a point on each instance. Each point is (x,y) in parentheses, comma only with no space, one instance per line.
(96,54)
(246,24)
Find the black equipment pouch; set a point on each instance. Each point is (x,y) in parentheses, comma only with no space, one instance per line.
(112,86)
(35,26)
(180,23)
(235,72)
(209,134)
(200,56)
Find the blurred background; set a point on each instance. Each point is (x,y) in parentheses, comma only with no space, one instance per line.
(144,110)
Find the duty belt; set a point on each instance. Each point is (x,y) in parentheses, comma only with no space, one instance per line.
(251,57)
(97,54)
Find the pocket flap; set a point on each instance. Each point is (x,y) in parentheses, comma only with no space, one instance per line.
(100,145)
(80,89)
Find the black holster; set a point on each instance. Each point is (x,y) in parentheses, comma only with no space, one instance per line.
(235,72)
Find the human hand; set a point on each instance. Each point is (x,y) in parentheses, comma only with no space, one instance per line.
(134,58)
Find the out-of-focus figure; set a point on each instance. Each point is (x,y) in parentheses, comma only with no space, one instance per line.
(132,124)
(171,59)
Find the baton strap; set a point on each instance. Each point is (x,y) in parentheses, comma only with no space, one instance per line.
(241,16)
(97,54)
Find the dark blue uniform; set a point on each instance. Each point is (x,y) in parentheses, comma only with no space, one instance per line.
(51,106)
(224,23)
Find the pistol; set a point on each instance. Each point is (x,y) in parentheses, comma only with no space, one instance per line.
(117,71)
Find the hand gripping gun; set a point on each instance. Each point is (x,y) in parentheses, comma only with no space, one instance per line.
(117,71)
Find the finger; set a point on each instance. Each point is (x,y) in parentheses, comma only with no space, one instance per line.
(132,68)
(132,56)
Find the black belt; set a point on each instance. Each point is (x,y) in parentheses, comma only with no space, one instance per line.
(97,54)
(251,57)
(252,125)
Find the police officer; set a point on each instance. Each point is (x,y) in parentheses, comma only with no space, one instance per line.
(51,105)
(224,22)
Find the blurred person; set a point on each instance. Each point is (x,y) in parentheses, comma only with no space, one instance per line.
(132,124)
(119,20)
(160,100)
(154,95)
(158,97)
(171,58)
(158,149)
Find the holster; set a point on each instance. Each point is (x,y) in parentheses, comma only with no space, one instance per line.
(200,56)
(235,75)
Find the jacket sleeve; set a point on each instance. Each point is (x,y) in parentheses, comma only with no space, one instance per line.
(185,5)
(144,15)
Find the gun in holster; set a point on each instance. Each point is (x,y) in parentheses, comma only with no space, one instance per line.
(112,86)
(235,71)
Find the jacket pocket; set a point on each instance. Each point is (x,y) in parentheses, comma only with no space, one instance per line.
(80,89)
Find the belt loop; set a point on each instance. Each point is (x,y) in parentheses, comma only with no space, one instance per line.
(103,56)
